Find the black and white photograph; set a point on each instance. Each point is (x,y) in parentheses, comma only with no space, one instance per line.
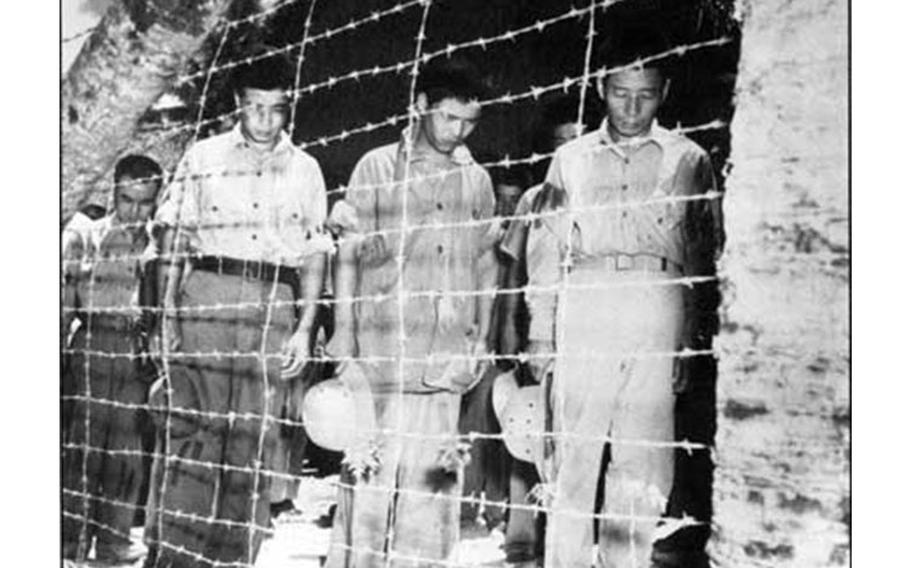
(453,283)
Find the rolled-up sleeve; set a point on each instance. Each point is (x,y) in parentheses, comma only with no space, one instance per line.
(315,203)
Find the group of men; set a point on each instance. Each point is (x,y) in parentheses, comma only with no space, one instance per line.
(221,275)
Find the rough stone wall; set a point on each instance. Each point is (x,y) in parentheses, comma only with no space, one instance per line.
(781,493)
(131,58)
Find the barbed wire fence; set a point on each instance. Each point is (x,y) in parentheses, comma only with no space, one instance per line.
(407,70)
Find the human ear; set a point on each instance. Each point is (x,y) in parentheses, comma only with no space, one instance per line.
(602,87)
(665,90)
(420,103)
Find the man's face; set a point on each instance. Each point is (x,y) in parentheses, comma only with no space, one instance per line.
(633,98)
(506,198)
(263,114)
(134,200)
(566,132)
(448,123)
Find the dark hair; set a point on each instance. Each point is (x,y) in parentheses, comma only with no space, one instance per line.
(450,78)
(514,174)
(631,44)
(265,69)
(563,110)
(138,167)
(93,211)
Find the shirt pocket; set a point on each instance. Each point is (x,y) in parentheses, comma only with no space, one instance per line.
(291,223)
(227,206)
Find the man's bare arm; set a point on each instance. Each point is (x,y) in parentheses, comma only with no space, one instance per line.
(343,343)
(297,350)
(312,275)
(487,267)
(173,246)
(350,247)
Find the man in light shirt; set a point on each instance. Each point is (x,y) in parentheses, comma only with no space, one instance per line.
(406,510)
(107,294)
(242,253)
(624,216)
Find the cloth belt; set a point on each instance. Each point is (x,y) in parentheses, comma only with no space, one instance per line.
(254,270)
(642,262)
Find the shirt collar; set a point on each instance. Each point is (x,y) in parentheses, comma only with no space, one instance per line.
(460,156)
(657,134)
(238,140)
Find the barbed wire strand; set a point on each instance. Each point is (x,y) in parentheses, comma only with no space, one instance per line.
(534,92)
(327,34)
(414,228)
(368,488)
(417,361)
(301,56)
(233,417)
(510,35)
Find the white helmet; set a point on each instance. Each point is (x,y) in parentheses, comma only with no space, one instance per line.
(504,387)
(522,423)
(339,412)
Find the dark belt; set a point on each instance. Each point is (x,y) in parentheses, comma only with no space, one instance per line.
(254,270)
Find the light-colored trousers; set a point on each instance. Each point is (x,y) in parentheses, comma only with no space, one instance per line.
(406,514)
(614,378)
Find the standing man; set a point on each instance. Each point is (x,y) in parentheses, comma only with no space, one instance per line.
(406,510)
(107,289)
(630,222)
(243,248)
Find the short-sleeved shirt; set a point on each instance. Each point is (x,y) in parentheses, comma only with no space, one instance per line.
(106,262)
(515,238)
(620,200)
(447,250)
(235,201)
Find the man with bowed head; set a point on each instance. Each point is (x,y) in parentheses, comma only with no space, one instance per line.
(627,224)
(406,509)
(108,290)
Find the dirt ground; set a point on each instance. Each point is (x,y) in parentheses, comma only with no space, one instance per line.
(299,540)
